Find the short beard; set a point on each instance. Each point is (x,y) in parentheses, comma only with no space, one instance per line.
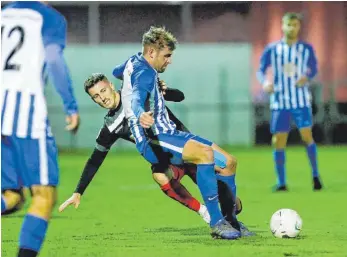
(291,37)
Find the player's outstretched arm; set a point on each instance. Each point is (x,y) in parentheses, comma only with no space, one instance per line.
(92,166)
(104,141)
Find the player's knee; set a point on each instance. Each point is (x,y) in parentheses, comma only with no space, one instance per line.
(229,168)
(41,207)
(279,142)
(43,201)
(231,163)
(161,178)
(307,138)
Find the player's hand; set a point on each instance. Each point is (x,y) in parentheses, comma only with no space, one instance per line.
(302,81)
(162,86)
(75,200)
(73,122)
(268,87)
(146,119)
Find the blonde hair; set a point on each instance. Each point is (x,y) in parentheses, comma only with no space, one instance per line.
(159,37)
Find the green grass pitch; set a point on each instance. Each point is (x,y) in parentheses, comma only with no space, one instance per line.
(123,213)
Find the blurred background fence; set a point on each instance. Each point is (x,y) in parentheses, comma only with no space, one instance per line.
(214,65)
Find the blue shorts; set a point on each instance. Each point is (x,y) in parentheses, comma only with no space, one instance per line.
(280,119)
(28,162)
(168,148)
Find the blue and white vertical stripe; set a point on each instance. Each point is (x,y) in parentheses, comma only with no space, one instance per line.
(289,63)
(23,114)
(161,117)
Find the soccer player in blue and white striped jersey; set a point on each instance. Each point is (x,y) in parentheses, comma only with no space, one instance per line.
(294,65)
(33,38)
(156,136)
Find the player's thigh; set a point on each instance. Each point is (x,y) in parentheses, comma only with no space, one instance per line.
(198,150)
(161,174)
(280,121)
(222,159)
(38,162)
(9,167)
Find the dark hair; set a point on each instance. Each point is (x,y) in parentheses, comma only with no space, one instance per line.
(292,16)
(92,80)
(159,37)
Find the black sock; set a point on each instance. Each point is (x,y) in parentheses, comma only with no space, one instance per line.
(26,253)
(227,204)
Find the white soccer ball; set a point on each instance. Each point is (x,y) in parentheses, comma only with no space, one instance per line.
(285,223)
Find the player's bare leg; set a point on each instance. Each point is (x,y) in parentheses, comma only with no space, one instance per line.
(311,148)
(279,142)
(12,200)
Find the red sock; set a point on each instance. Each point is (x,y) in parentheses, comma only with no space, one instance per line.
(179,193)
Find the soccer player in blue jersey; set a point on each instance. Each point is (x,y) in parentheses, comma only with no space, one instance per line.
(33,39)
(156,136)
(294,65)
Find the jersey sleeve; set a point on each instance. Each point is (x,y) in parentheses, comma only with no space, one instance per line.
(265,61)
(143,84)
(54,40)
(173,95)
(60,77)
(312,63)
(54,29)
(118,71)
